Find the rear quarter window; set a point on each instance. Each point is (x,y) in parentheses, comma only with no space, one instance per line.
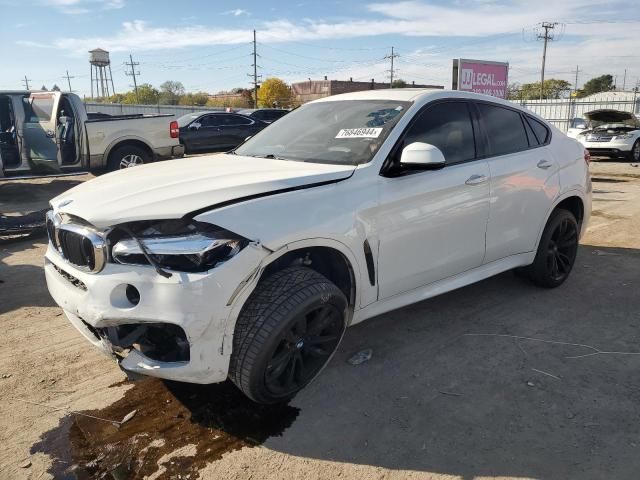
(540,129)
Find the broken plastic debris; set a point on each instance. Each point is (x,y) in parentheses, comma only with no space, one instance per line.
(361,357)
(128,416)
(25,464)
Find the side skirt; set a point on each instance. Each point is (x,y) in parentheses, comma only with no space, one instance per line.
(443,286)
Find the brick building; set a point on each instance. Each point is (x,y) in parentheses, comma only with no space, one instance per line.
(313,89)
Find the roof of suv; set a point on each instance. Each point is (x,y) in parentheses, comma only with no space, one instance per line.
(398,94)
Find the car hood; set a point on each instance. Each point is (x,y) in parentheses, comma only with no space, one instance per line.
(176,188)
(599,117)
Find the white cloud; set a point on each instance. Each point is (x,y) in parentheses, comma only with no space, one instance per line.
(79,7)
(483,29)
(236,12)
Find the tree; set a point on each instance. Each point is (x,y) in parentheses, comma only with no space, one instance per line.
(170,92)
(274,93)
(55,88)
(147,95)
(44,88)
(553,89)
(513,91)
(399,83)
(603,83)
(198,98)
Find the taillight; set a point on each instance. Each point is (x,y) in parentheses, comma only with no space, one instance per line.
(174,129)
(587,156)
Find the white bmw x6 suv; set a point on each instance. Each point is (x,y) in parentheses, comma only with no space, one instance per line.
(251,264)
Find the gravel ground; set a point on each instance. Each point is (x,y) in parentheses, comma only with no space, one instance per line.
(498,379)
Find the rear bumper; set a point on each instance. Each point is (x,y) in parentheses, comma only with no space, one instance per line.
(166,153)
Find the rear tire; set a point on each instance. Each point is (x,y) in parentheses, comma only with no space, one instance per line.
(127,156)
(286,333)
(557,250)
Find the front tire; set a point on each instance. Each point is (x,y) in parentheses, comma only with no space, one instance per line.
(127,156)
(557,250)
(286,334)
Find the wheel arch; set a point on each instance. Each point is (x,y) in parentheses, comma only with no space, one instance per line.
(278,259)
(135,141)
(572,201)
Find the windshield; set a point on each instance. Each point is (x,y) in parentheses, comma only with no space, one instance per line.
(185,120)
(344,132)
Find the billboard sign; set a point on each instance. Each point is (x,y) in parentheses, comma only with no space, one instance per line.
(480,76)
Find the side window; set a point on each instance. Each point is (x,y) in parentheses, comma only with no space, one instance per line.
(210,121)
(504,128)
(448,127)
(41,108)
(237,120)
(541,131)
(260,115)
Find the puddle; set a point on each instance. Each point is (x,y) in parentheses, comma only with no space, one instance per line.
(201,421)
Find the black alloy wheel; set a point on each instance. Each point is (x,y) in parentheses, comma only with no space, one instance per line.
(286,333)
(557,250)
(303,350)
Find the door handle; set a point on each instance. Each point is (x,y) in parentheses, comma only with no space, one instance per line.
(476,179)
(544,164)
(50,133)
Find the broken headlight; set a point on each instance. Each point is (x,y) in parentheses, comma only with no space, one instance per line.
(179,245)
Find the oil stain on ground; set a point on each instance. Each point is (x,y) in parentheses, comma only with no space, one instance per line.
(177,429)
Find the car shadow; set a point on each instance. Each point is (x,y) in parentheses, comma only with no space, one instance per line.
(499,378)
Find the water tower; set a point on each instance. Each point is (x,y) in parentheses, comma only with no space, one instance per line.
(100,73)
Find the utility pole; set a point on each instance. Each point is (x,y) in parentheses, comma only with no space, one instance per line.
(624,82)
(546,36)
(255,72)
(391,57)
(133,74)
(575,85)
(26,82)
(68,80)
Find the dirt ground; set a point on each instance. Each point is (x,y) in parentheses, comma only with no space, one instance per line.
(496,380)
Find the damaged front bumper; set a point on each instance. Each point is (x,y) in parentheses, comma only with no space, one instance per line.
(173,328)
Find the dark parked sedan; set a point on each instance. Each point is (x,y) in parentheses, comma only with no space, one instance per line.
(268,115)
(210,131)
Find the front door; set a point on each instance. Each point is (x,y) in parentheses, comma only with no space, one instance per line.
(40,129)
(432,224)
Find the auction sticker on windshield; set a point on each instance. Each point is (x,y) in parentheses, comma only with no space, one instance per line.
(359,133)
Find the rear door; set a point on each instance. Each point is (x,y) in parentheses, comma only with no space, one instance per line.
(40,126)
(237,128)
(524,179)
(210,135)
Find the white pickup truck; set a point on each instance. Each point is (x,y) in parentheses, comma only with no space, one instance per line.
(51,132)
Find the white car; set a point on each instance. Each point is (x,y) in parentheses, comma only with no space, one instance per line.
(610,133)
(250,265)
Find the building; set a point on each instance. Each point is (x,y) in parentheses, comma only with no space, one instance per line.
(313,89)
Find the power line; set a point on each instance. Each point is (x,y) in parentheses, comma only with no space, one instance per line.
(546,36)
(391,57)
(133,74)
(68,80)
(26,82)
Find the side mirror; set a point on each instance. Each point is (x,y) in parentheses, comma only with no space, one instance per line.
(195,126)
(420,155)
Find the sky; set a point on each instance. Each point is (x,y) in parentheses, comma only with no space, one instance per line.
(207,46)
